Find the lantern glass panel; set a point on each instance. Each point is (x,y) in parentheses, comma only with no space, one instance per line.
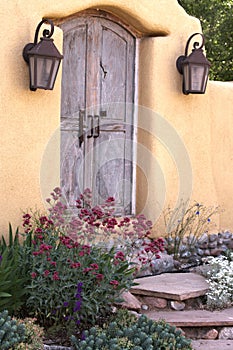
(44,67)
(186,77)
(197,73)
(205,78)
(54,72)
(32,71)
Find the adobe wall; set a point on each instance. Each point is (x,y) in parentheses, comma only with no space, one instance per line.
(30,120)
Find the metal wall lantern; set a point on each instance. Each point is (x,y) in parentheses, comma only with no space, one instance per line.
(195,68)
(43,59)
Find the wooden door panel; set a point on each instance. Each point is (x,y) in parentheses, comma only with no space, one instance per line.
(112,171)
(73,75)
(98,75)
(73,99)
(71,162)
(113,72)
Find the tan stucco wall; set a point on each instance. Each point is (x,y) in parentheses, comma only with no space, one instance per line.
(30,120)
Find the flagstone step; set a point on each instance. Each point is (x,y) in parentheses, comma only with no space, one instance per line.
(212,344)
(194,318)
(173,286)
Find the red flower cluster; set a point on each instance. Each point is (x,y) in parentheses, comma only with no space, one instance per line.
(75,265)
(55,276)
(115,283)
(119,256)
(43,248)
(27,223)
(33,275)
(110,222)
(154,246)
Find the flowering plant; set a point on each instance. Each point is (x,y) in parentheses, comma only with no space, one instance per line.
(185,224)
(220,279)
(98,225)
(73,281)
(76,274)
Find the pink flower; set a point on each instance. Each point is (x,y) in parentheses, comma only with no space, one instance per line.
(45,247)
(120,256)
(38,230)
(46,273)
(87,269)
(36,253)
(110,199)
(75,265)
(94,266)
(99,276)
(27,216)
(40,237)
(43,220)
(53,263)
(55,276)
(33,275)
(115,283)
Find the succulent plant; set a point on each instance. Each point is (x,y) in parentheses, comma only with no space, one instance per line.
(138,335)
(11,333)
(33,335)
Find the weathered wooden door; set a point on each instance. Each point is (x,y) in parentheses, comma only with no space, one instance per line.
(97,110)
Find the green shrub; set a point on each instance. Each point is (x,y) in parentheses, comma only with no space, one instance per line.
(13,279)
(136,335)
(11,333)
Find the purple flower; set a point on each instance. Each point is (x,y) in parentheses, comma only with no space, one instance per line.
(77,306)
(66,304)
(79,287)
(0,259)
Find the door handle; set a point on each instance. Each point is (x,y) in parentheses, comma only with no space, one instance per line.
(90,126)
(80,130)
(97,126)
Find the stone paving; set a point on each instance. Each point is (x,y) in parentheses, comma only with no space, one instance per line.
(212,344)
(195,318)
(182,287)
(175,286)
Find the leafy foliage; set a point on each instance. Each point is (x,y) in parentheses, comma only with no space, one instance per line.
(11,333)
(136,335)
(217,25)
(12,277)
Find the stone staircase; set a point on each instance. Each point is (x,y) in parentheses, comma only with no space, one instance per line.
(177,298)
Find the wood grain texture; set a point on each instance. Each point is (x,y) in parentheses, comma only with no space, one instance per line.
(98,75)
